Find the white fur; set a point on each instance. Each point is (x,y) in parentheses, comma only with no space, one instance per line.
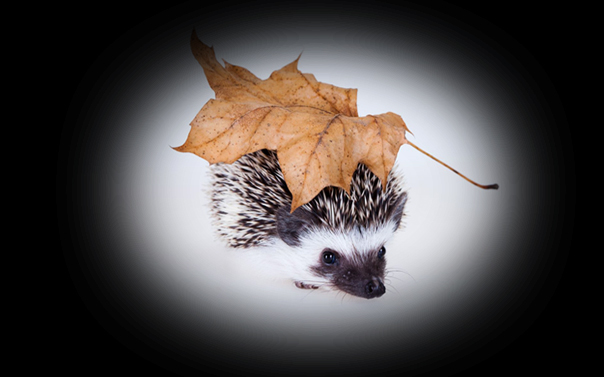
(295,262)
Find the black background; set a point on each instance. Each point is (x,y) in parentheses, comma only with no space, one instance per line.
(98,338)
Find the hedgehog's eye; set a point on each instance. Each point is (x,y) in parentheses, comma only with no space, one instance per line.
(382,252)
(329,257)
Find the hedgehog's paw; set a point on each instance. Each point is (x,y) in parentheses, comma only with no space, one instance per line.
(303,285)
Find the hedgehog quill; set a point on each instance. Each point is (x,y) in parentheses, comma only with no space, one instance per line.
(297,171)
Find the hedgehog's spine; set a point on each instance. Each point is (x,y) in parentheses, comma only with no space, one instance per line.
(248,193)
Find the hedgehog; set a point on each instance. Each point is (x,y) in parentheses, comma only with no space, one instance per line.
(337,241)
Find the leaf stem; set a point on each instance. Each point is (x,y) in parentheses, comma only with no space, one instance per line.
(494,186)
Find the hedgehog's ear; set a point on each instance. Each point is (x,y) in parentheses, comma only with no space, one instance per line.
(291,225)
(398,209)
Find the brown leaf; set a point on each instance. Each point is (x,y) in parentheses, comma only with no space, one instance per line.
(313,126)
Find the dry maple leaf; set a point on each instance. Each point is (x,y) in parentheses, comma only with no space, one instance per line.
(313,126)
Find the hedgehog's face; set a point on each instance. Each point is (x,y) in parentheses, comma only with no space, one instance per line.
(358,273)
(349,260)
(353,261)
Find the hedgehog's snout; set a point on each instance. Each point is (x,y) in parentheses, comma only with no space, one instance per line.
(374,288)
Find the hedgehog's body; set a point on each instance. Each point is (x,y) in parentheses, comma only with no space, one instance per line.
(334,241)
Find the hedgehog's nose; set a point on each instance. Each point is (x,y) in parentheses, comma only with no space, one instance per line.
(375,288)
